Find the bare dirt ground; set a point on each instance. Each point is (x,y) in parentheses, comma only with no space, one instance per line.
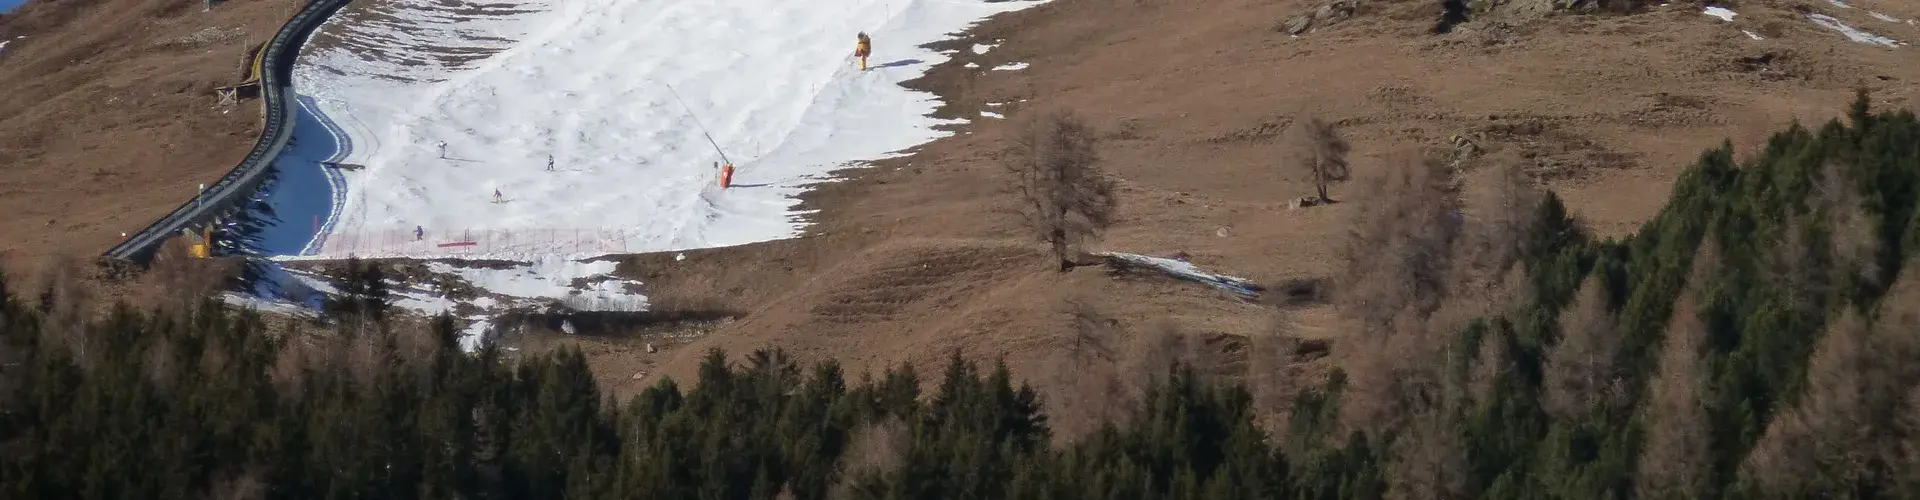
(916,258)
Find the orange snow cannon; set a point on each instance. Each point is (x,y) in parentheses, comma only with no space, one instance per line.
(726,176)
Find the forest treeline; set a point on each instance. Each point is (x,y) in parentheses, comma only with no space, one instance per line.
(1756,339)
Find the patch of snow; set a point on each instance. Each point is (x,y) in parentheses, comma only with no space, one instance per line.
(981,48)
(996,104)
(1186,270)
(1723,13)
(1883,17)
(246,301)
(990,114)
(551,283)
(1840,4)
(1011,67)
(973,65)
(576,285)
(440,108)
(1852,33)
(1750,34)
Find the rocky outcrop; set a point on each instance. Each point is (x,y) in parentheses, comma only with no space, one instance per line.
(1326,15)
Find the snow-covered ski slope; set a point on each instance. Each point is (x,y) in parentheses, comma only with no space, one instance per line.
(445,101)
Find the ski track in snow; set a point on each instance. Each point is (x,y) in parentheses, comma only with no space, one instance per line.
(441,102)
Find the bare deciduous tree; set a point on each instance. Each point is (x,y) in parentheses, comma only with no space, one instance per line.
(1824,430)
(1678,460)
(1580,372)
(1322,153)
(1850,422)
(1399,255)
(1089,388)
(1429,462)
(875,449)
(1065,197)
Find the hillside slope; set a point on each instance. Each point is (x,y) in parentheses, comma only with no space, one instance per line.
(108,117)
(919,257)
(1192,100)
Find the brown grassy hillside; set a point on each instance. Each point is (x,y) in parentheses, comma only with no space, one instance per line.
(921,256)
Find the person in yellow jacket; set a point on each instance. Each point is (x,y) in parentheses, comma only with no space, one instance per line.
(862,49)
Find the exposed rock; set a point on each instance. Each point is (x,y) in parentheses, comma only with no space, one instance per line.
(1325,15)
(1299,25)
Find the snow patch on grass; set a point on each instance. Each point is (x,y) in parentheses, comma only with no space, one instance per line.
(1187,271)
(1723,13)
(1852,33)
(1011,67)
(1751,34)
(990,114)
(1883,17)
(981,49)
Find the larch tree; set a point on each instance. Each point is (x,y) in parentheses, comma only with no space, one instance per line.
(1322,152)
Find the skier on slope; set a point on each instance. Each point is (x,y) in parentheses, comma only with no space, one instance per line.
(497,196)
(862,49)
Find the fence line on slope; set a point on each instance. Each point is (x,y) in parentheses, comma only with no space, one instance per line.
(482,242)
(239,184)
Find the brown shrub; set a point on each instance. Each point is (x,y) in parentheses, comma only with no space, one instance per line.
(1064,196)
(178,280)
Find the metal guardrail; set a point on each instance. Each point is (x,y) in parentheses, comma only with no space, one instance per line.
(238,185)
